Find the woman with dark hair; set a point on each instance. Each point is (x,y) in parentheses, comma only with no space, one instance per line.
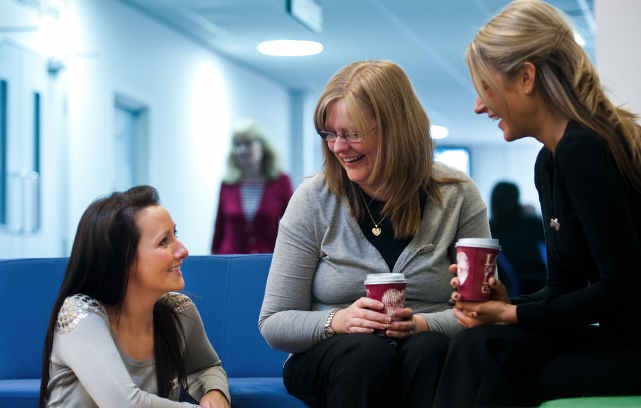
(580,335)
(253,196)
(118,335)
(380,205)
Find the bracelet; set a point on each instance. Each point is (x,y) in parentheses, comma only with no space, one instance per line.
(327,328)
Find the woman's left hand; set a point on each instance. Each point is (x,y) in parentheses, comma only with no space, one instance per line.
(214,399)
(405,323)
(472,314)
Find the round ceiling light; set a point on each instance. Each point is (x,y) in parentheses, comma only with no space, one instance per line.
(438,132)
(289,48)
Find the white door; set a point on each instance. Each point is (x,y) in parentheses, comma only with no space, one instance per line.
(35,179)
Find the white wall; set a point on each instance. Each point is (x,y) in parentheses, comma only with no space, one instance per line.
(617,50)
(193,97)
(513,162)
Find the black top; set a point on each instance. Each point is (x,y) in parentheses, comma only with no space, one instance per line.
(593,242)
(389,247)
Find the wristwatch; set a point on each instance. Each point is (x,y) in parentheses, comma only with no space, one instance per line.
(327,328)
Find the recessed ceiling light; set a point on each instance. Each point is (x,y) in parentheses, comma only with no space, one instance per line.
(289,48)
(438,132)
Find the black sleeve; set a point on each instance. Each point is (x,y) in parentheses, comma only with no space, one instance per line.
(597,192)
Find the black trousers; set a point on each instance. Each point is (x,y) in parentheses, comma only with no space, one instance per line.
(368,371)
(507,366)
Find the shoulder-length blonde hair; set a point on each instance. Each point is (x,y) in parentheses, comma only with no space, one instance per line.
(269,163)
(533,31)
(402,169)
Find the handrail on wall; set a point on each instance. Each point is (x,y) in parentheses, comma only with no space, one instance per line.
(23,207)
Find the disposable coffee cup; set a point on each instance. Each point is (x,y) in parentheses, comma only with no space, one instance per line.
(388,288)
(476,262)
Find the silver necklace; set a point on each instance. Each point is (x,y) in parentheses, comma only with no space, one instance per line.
(376,230)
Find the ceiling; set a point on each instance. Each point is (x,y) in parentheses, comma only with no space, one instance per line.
(425,37)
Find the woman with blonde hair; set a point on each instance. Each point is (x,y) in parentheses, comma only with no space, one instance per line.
(579,336)
(253,195)
(379,205)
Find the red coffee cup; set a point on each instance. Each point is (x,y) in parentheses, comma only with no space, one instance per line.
(476,262)
(388,288)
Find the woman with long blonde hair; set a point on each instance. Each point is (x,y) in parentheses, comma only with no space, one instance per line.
(580,335)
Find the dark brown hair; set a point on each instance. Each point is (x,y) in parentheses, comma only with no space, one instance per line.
(104,248)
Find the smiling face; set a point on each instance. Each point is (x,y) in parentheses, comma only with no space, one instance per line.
(156,269)
(356,158)
(509,100)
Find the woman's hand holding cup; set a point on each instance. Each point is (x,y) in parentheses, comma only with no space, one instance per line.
(405,323)
(496,310)
(363,316)
(498,291)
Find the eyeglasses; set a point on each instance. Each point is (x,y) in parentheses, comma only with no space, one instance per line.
(240,143)
(348,136)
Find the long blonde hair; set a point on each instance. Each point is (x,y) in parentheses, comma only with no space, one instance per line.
(403,166)
(533,31)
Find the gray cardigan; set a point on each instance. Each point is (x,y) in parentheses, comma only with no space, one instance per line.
(88,369)
(321,259)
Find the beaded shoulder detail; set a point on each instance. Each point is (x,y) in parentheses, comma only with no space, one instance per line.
(74,309)
(178,301)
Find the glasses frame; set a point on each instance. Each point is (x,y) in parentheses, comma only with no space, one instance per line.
(350,136)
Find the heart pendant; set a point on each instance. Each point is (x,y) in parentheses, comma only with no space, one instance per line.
(376,231)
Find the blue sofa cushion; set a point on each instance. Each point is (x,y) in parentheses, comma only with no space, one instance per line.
(25,388)
(261,392)
(246,392)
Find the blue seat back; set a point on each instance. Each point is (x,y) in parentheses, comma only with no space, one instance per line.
(229,305)
(227,289)
(28,289)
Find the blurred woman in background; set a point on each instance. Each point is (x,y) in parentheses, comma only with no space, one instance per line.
(253,196)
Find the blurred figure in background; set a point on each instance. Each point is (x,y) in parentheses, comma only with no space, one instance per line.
(253,196)
(521,236)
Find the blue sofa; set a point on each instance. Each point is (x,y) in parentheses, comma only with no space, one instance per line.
(228,290)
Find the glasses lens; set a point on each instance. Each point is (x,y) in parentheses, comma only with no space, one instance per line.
(327,136)
(353,137)
(242,143)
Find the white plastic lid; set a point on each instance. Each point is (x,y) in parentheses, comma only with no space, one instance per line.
(479,243)
(374,278)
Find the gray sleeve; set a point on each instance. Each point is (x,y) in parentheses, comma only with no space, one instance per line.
(286,320)
(202,364)
(472,223)
(89,351)
(442,322)
(203,381)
